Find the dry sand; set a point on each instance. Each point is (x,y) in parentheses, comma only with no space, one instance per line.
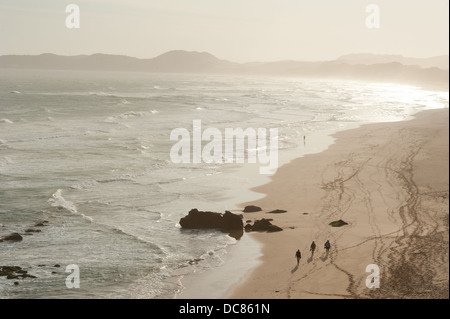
(390,183)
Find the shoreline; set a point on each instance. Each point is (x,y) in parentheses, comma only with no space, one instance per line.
(216,283)
(378,178)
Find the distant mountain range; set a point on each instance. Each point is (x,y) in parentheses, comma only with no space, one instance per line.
(440,62)
(391,68)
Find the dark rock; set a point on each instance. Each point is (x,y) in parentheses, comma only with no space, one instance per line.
(232,221)
(9,269)
(41,223)
(277,211)
(251,209)
(338,223)
(210,220)
(16,283)
(12,237)
(203,219)
(273,228)
(262,225)
(30,230)
(14,272)
(236,233)
(57,265)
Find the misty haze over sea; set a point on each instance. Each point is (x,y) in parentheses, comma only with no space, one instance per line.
(432,72)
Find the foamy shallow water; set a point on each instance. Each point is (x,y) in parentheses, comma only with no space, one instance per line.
(90,153)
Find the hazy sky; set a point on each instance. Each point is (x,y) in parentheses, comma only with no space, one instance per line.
(236,30)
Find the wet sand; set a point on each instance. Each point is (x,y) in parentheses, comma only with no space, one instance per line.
(389,182)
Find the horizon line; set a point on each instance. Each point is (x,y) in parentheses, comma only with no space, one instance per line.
(203,52)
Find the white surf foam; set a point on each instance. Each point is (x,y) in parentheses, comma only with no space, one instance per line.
(57,200)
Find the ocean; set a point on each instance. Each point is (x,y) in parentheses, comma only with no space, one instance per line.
(89,153)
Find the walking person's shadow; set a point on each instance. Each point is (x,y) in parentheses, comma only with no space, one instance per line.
(310,258)
(325,257)
(294,269)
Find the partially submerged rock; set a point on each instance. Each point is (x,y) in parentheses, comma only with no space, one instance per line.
(203,219)
(11,237)
(14,272)
(251,209)
(338,223)
(31,230)
(227,222)
(41,223)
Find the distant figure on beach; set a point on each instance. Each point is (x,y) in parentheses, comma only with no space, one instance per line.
(304,140)
(327,246)
(298,254)
(313,248)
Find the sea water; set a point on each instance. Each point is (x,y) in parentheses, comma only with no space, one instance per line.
(89,152)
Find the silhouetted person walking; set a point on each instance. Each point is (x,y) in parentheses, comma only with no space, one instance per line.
(327,246)
(313,248)
(298,254)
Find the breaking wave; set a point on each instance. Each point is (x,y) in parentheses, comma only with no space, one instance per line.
(57,200)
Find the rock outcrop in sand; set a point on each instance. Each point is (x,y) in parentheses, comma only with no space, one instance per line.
(277,211)
(338,223)
(262,225)
(251,209)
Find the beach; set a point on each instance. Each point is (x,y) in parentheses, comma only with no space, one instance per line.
(389,183)
(88,155)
